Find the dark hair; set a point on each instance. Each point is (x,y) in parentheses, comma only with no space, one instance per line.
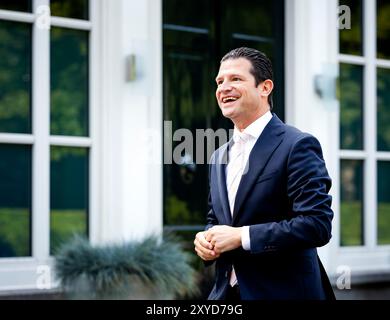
(261,65)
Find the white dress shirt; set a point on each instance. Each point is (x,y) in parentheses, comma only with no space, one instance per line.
(248,137)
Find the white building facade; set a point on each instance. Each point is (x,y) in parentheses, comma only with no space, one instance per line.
(103,174)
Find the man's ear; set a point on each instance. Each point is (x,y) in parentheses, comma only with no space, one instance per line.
(266,87)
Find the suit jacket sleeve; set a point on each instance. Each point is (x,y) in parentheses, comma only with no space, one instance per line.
(308,184)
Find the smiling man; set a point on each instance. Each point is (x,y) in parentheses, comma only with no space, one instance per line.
(269,204)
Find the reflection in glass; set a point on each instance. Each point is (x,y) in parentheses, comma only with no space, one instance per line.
(244,12)
(15,77)
(195,14)
(351,40)
(351,106)
(19,5)
(383,202)
(383,29)
(68,194)
(190,104)
(193,47)
(259,25)
(351,206)
(77,9)
(383,113)
(15,201)
(69,82)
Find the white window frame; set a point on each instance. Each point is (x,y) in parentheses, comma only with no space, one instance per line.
(23,273)
(369,261)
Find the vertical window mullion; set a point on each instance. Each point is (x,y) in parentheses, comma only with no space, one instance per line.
(93,221)
(370,172)
(41,148)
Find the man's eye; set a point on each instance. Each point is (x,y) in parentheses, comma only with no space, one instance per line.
(236,79)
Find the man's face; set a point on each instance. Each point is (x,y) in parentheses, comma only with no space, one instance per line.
(237,95)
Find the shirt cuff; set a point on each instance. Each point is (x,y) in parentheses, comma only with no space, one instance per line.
(245,239)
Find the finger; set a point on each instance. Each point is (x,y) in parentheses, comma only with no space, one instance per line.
(202,240)
(202,256)
(203,250)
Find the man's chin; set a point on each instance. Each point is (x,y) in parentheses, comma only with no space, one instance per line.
(228,114)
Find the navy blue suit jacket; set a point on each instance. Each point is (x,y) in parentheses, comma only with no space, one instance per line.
(284,199)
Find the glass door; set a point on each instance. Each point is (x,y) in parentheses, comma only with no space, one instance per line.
(196,34)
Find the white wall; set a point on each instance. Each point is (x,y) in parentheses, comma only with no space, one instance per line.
(131,186)
(311,49)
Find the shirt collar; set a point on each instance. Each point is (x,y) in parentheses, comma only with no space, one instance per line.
(255,128)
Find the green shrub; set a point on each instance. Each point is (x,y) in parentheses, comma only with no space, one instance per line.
(145,269)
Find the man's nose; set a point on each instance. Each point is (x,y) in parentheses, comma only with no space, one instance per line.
(225,87)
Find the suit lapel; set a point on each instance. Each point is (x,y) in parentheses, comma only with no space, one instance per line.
(265,145)
(221,162)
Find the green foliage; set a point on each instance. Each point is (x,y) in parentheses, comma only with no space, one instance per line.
(351,223)
(384,223)
(125,270)
(14,232)
(64,224)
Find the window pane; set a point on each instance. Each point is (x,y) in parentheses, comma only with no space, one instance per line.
(383,114)
(351,106)
(383,29)
(261,26)
(77,9)
(193,46)
(68,194)
(19,5)
(15,77)
(244,11)
(69,82)
(202,18)
(383,202)
(185,186)
(351,40)
(15,200)
(351,206)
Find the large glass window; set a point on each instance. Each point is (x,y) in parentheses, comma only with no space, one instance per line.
(364,125)
(43,138)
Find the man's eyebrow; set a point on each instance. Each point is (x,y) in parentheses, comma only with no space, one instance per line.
(230,76)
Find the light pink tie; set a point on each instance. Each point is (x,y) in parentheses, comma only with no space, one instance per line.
(235,170)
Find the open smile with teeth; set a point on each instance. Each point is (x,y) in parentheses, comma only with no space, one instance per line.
(229,99)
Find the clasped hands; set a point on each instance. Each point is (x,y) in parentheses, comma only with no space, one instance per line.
(211,243)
